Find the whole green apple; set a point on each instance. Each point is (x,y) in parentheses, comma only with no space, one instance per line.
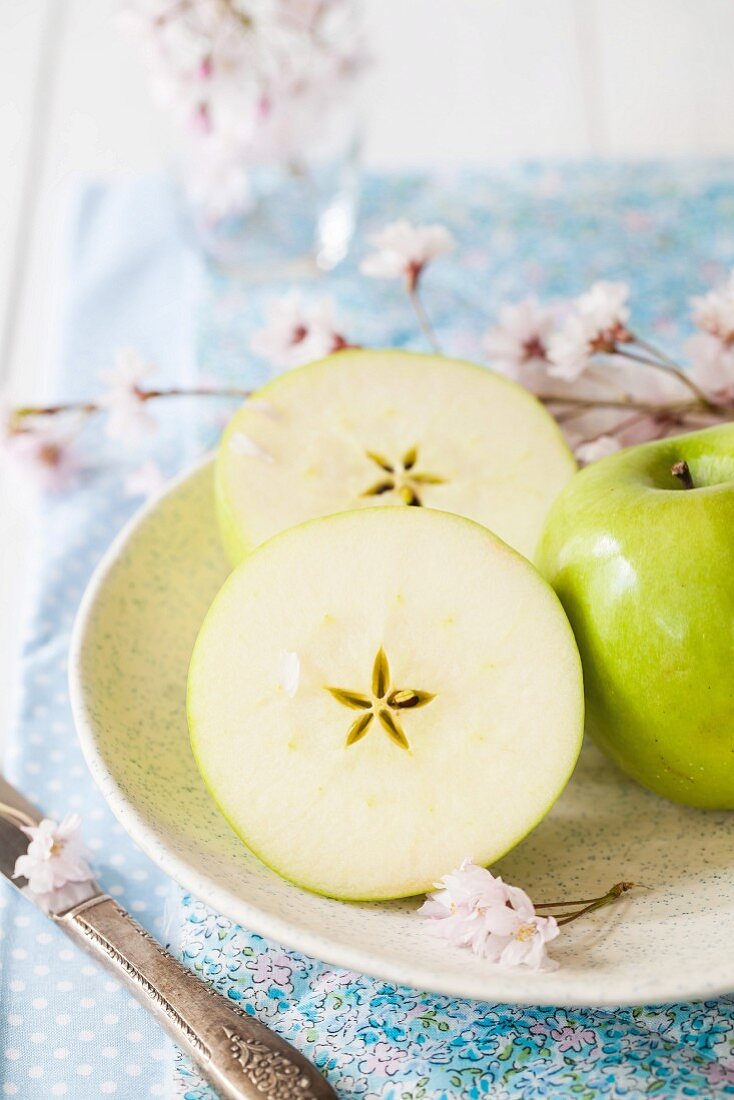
(640,549)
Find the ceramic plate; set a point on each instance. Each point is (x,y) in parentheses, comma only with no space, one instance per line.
(131,648)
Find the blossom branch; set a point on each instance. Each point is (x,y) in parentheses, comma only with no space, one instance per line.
(88,408)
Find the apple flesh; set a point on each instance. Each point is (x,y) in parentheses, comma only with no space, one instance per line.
(376,695)
(640,549)
(389,428)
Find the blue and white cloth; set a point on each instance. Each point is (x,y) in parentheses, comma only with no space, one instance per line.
(66,1029)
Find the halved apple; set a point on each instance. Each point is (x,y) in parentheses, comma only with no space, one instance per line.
(365,428)
(376,695)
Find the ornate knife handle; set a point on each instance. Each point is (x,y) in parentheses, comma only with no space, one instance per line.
(240,1057)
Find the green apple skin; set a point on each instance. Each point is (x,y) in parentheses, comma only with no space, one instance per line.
(644,568)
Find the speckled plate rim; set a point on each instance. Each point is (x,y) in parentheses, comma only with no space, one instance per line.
(516,989)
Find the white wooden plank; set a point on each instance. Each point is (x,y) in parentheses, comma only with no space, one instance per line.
(667,76)
(22,28)
(102,123)
(473,80)
(21,46)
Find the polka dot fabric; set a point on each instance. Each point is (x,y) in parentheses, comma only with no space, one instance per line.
(66,1028)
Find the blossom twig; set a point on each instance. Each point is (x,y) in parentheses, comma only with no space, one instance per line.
(666,365)
(403,251)
(423,319)
(617,891)
(88,408)
(471,907)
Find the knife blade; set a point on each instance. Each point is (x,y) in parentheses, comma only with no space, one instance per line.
(239,1056)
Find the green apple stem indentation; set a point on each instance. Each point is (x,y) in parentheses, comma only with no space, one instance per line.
(682,471)
(401,477)
(384,703)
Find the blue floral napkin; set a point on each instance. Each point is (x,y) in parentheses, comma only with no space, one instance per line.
(545,230)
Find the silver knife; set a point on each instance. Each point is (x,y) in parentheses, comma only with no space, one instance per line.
(239,1056)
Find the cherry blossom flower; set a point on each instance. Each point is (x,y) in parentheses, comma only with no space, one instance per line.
(296,332)
(714,312)
(598,324)
(525,944)
(128,416)
(570,349)
(40,447)
(146,481)
(472,908)
(594,449)
(241,444)
(248,84)
(55,856)
(711,350)
(518,345)
(289,672)
(402,251)
(218,184)
(605,305)
(712,366)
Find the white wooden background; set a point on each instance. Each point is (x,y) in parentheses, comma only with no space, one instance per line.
(456,80)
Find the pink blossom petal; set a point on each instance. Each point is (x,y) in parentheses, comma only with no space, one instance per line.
(474,909)
(297,332)
(597,448)
(402,250)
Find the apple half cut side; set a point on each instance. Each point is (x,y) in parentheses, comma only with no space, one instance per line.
(376,695)
(367,427)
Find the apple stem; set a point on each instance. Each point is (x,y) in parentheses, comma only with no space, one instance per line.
(683,473)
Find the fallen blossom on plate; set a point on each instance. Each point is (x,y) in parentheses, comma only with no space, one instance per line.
(473,908)
(402,250)
(55,856)
(128,417)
